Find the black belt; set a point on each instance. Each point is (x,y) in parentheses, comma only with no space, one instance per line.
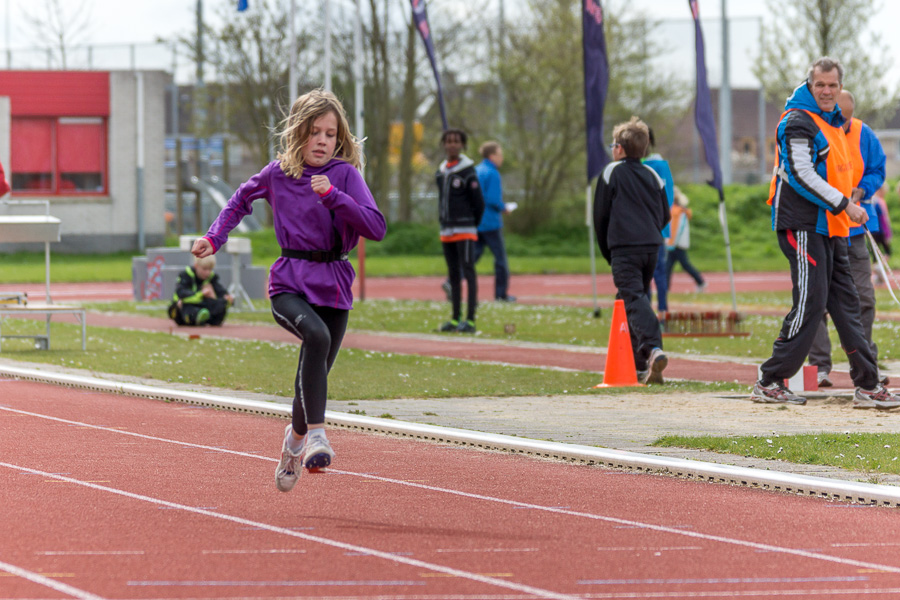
(315,255)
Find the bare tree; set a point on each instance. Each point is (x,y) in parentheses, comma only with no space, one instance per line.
(57,29)
(807,29)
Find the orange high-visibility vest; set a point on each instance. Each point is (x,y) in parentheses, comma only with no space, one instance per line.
(839,166)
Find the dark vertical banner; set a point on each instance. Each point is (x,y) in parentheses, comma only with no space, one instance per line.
(421,19)
(703,112)
(596,81)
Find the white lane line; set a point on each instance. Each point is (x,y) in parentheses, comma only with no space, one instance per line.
(514,503)
(421,564)
(47,582)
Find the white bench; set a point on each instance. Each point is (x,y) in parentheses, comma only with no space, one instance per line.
(36,228)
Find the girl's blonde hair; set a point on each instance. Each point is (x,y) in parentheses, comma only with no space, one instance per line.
(296,129)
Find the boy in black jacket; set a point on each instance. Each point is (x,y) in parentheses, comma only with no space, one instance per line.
(630,210)
(461,205)
(199,298)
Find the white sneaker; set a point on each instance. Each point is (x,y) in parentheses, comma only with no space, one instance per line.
(880,397)
(657,362)
(288,470)
(317,452)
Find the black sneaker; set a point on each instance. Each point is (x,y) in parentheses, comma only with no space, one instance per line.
(466,327)
(451,325)
(880,397)
(774,393)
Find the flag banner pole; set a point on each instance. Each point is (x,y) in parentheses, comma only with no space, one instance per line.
(886,273)
(589,221)
(420,16)
(706,127)
(596,83)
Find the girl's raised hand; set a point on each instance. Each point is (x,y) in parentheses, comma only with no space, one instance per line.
(201,248)
(320,184)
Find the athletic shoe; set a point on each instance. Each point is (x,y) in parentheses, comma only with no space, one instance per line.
(823,379)
(657,362)
(701,287)
(506,299)
(317,452)
(446,287)
(774,393)
(202,316)
(466,327)
(288,470)
(880,397)
(451,325)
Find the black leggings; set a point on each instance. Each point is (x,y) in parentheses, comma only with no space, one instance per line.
(460,257)
(322,329)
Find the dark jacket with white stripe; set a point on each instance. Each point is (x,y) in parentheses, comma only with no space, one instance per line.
(630,209)
(802,192)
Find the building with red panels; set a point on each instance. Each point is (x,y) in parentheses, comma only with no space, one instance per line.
(92,143)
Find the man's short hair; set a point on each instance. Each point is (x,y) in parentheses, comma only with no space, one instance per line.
(488,149)
(633,136)
(825,64)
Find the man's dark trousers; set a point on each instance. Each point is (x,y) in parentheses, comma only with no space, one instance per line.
(820,273)
(861,269)
(632,274)
(494,241)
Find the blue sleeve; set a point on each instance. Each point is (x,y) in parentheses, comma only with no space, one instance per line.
(491,188)
(874,159)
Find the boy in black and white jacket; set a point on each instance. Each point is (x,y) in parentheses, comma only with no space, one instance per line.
(630,210)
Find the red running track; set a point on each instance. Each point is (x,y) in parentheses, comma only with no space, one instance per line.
(106,496)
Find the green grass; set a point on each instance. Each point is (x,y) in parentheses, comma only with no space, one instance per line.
(868,452)
(574,325)
(269,368)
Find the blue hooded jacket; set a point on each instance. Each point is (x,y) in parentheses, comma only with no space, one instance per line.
(802,192)
(873,176)
(492,190)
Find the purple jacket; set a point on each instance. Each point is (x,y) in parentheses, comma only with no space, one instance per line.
(303,221)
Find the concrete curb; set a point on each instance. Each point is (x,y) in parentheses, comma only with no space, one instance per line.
(863,493)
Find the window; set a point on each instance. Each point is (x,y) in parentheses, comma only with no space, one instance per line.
(59,156)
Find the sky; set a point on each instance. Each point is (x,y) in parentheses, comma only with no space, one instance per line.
(143,21)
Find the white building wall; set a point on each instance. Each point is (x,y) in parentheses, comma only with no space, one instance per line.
(109,223)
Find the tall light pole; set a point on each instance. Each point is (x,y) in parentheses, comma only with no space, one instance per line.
(327,84)
(725,103)
(292,73)
(360,128)
(501,91)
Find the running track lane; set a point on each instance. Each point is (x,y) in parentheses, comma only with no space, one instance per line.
(106,496)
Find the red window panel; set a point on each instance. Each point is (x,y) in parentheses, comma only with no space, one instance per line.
(32,156)
(82,155)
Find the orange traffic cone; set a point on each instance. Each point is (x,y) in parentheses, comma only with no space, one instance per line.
(619,370)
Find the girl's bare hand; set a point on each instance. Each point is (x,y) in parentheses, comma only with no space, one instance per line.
(320,184)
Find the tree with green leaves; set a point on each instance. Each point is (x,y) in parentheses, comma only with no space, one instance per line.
(805,30)
(545,95)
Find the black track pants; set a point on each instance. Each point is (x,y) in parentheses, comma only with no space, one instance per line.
(460,257)
(820,273)
(632,274)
